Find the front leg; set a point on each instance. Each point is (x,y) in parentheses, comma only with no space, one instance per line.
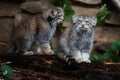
(38,51)
(86,56)
(75,52)
(77,56)
(86,51)
(73,46)
(46,48)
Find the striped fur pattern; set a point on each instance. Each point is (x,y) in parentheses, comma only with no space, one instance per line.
(38,29)
(76,41)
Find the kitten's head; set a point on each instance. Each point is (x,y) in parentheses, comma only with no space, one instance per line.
(56,15)
(83,22)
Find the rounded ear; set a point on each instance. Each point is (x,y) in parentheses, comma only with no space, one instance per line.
(74,18)
(51,12)
(94,21)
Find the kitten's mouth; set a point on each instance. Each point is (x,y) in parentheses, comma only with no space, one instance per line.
(83,29)
(60,20)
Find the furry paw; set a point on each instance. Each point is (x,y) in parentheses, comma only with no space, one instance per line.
(78,60)
(38,51)
(48,51)
(86,61)
(28,53)
(77,56)
(85,57)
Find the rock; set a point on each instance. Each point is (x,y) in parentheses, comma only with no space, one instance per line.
(5,29)
(116,3)
(35,6)
(8,8)
(85,11)
(90,1)
(115,18)
(107,34)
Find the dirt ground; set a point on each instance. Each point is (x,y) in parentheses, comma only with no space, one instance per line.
(51,68)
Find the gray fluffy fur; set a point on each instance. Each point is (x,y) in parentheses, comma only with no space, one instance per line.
(38,29)
(77,41)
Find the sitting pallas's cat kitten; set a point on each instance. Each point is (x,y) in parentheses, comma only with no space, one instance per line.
(77,41)
(38,29)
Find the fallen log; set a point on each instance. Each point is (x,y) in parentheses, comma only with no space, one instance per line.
(55,69)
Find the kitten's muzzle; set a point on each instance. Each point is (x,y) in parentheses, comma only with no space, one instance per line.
(83,28)
(61,19)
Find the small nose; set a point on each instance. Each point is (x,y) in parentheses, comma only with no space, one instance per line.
(82,26)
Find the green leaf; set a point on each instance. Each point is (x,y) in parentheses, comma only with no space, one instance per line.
(108,53)
(118,42)
(68,13)
(115,58)
(103,15)
(103,8)
(7,71)
(115,46)
(63,27)
(67,8)
(89,77)
(97,58)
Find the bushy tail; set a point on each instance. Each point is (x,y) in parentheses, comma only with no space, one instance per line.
(67,58)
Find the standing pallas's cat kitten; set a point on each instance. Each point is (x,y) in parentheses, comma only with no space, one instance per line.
(77,41)
(38,29)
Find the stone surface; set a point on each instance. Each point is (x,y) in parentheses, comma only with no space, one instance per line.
(107,34)
(116,3)
(5,29)
(115,19)
(8,8)
(35,6)
(85,11)
(90,1)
